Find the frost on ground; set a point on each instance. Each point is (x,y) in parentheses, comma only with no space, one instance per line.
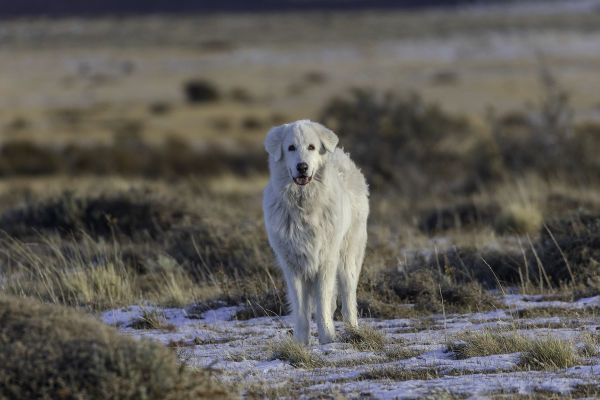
(414,363)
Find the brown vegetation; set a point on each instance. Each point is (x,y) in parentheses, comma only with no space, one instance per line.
(56,352)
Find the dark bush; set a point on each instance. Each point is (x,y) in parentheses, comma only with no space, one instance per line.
(241,95)
(251,123)
(545,140)
(200,91)
(217,45)
(444,77)
(398,141)
(239,258)
(271,303)
(159,108)
(130,156)
(315,77)
(17,124)
(433,291)
(524,145)
(570,249)
(484,267)
(567,253)
(459,216)
(26,158)
(55,352)
(128,214)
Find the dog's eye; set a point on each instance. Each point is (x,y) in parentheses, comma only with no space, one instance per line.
(311,147)
(292,148)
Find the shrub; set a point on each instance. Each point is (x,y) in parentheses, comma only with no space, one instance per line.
(397,140)
(241,95)
(56,352)
(200,91)
(159,108)
(545,140)
(251,123)
(130,155)
(67,214)
(433,291)
(459,216)
(26,158)
(570,248)
(112,250)
(266,304)
(315,77)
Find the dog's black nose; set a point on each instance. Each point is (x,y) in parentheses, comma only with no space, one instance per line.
(302,167)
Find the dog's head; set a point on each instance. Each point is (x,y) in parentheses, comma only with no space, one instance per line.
(302,146)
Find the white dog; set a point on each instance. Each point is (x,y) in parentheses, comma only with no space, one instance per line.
(316,207)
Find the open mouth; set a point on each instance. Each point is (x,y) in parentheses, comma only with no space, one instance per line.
(302,180)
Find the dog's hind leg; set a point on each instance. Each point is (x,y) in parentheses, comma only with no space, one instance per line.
(348,274)
(348,283)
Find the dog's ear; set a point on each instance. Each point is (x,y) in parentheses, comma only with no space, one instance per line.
(273,142)
(328,138)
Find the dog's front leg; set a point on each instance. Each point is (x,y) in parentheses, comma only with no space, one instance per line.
(324,291)
(300,301)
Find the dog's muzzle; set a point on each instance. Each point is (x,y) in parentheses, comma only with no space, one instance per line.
(302,180)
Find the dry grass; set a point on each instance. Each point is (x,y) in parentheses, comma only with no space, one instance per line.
(402,374)
(546,353)
(549,353)
(563,313)
(296,353)
(364,338)
(168,211)
(151,319)
(56,352)
(399,352)
(589,345)
(130,155)
(119,248)
(489,342)
(89,273)
(116,247)
(520,219)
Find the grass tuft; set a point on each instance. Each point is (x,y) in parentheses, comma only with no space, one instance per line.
(549,353)
(151,319)
(489,342)
(364,338)
(540,354)
(296,353)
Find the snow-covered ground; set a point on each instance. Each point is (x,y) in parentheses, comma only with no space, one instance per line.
(242,352)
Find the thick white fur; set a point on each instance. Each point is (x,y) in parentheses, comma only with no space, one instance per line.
(319,230)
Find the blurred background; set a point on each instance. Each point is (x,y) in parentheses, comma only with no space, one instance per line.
(131,136)
(132,167)
(163,90)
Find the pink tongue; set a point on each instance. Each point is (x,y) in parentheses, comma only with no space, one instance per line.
(302,180)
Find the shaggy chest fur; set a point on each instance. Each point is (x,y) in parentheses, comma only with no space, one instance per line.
(299,226)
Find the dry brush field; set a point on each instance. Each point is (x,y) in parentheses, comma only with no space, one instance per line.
(131,175)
